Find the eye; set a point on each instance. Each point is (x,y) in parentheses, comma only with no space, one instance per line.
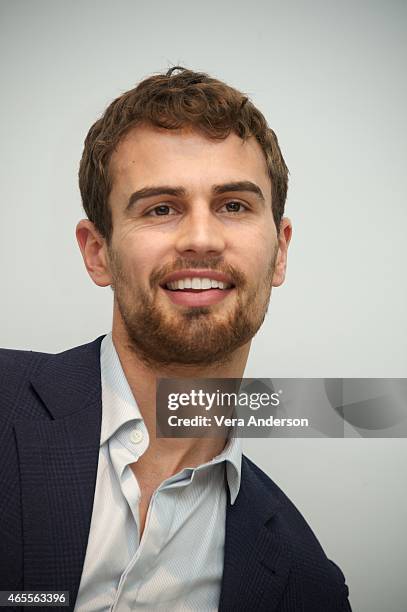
(160,211)
(234,206)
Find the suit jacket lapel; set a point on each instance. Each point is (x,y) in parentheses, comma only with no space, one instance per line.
(257,553)
(58,466)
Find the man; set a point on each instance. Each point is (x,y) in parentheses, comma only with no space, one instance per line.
(184,187)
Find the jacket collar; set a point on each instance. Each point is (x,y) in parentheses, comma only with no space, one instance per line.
(66,382)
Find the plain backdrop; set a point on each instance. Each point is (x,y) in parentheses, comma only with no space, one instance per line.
(330,79)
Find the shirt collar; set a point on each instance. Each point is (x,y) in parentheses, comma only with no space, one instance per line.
(119,407)
(232,455)
(118,403)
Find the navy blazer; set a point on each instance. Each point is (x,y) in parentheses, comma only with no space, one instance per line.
(50,419)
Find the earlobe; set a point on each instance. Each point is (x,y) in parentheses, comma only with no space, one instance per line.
(93,249)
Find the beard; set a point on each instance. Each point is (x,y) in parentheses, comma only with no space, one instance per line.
(196,336)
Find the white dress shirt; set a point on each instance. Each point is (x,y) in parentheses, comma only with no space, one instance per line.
(178,563)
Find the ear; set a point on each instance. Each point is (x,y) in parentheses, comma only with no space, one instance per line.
(93,249)
(284,238)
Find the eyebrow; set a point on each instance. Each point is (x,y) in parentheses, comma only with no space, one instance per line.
(149,192)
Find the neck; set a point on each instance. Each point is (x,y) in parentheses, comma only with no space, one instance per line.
(173,453)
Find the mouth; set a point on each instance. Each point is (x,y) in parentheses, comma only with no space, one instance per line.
(196,289)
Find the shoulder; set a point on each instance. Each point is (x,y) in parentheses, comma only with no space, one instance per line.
(262,483)
(24,363)
(287,514)
(18,368)
(281,501)
(310,565)
(12,358)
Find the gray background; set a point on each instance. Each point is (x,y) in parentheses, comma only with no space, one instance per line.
(330,79)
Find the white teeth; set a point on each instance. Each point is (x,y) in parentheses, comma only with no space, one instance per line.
(197,283)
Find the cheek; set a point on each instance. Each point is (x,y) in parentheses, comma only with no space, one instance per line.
(254,250)
(139,256)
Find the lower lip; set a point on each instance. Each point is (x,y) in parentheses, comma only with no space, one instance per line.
(197,298)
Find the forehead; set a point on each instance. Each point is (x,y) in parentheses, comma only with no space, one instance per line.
(147,154)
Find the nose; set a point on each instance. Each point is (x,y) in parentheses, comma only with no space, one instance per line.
(200,233)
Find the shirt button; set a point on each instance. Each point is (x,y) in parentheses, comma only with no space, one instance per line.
(136,436)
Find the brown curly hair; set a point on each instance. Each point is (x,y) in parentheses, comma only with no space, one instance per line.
(177,99)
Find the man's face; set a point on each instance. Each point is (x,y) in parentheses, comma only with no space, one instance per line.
(188,207)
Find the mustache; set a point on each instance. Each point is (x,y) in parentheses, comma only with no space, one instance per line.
(216,264)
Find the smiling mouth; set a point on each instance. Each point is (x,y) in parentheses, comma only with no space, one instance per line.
(197,284)
(195,292)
